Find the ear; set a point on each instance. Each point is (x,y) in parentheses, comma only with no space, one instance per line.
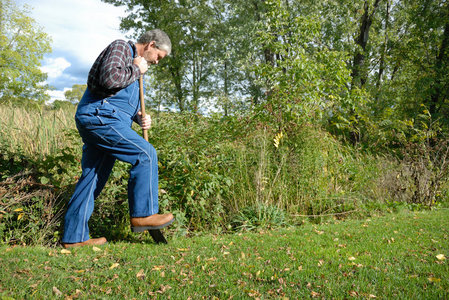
(152,44)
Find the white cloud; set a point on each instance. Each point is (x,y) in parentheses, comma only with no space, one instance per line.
(79,27)
(56,95)
(54,67)
(80,30)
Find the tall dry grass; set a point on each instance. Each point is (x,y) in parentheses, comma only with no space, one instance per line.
(35,132)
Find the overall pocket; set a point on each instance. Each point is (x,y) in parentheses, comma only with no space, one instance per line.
(106,113)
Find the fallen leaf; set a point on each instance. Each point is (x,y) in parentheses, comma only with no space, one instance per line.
(56,291)
(140,274)
(243,255)
(353,294)
(114,265)
(351,258)
(315,294)
(433,279)
(157,268)
(65,251)
(441,257)
(96,249)
(372,296)
(20,216)
(18,209)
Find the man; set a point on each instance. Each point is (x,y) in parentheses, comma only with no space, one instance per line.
(104,117)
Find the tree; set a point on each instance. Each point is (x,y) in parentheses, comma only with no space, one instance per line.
(410,57)
(303,78)
(76,93)
(22,46)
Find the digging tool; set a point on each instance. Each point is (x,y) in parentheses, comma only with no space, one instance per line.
(156,234)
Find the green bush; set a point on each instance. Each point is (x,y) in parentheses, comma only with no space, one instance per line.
(215,173)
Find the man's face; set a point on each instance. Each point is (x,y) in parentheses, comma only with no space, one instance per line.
(152,54)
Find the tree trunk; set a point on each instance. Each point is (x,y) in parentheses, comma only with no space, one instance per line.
(438,94)
(268,54)
(359,78)
(225,88)
(176,77)
(384,49)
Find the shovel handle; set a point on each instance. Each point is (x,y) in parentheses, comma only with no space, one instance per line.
(142,106)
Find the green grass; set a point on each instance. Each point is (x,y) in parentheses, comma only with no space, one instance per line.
(393,256)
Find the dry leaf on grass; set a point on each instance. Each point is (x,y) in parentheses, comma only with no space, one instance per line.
(140,274)
(441,257)
(56,291)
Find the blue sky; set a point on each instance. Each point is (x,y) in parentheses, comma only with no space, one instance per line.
(80,30)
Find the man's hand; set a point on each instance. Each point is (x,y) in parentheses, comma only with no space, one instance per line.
(145,123)
(141,63)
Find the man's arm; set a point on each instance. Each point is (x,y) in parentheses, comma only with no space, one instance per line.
(117,69)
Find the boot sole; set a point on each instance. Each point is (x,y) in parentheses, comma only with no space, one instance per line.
(143,228)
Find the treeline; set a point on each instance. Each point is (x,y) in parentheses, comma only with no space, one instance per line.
(368,70)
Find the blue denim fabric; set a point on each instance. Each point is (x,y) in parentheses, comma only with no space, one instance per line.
(105,127)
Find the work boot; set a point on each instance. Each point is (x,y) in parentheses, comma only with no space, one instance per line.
(89,242)
(156,221)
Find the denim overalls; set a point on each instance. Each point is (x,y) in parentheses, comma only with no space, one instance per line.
(104,124)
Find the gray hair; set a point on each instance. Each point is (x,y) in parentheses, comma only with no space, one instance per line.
(161,39)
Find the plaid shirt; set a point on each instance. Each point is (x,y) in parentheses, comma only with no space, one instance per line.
(113,70)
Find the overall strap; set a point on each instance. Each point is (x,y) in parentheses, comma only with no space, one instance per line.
(132,47)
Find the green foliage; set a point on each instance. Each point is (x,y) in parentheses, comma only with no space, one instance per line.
(191,169)
(259,217)
(60,104)
(22,46)
(215,174)
(76,93)
(304,78)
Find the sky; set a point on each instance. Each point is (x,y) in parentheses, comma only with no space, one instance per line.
(80,30)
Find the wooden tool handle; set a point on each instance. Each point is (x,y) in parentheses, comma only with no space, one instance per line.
(142,106)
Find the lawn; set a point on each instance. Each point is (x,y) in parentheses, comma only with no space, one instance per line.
(402,255)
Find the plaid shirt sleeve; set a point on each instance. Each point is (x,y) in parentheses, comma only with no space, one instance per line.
(113,70)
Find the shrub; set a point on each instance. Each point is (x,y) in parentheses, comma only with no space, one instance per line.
(215,173)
